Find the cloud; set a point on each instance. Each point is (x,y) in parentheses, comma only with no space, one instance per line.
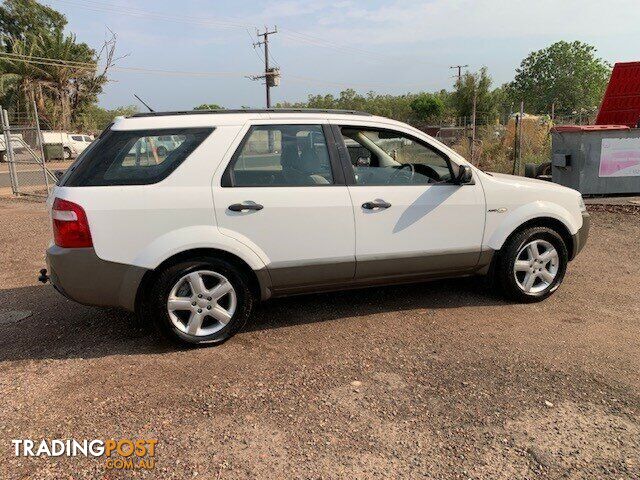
(410,21)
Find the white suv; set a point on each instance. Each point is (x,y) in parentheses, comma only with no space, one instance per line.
(246,205)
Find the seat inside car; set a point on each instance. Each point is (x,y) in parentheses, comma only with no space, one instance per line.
(300,169)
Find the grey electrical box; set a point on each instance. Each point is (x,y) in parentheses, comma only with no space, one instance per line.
(596,160)
(561,160)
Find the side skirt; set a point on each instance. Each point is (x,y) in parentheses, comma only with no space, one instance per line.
(435,267)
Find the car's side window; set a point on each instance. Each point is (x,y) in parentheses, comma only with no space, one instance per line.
(386,157)
(282,155)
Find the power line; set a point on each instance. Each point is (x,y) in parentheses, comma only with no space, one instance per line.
(296,36)
(91,67)
(64,63)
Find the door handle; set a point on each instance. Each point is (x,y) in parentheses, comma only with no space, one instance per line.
(240,207)
(374,205)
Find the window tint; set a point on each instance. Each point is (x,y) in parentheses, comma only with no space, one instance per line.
(282,155)
(384,157)
(77,138)
(87,139)
(135,157)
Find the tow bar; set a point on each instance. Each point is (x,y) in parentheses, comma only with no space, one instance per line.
(43,277)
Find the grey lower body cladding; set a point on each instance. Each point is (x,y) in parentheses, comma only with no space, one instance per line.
(79,274)
(580,238)
(304,276)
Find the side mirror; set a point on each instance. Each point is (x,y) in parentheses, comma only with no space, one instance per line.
(464,175)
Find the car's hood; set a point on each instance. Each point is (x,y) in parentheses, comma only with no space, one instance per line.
(517,181)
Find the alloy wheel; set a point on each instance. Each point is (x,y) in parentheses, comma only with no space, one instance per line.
(536,266)
(201,303)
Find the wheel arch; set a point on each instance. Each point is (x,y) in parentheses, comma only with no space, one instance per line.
(550,222)
(259,281)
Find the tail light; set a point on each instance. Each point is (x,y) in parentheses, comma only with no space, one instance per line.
(70,225)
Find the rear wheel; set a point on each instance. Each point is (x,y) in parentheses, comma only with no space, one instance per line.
(200,302)
(532,264)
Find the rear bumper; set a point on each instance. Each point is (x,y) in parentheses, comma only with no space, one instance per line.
(580,238)
(80,275)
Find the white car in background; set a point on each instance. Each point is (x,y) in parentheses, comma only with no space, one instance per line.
(79,142)
(73,144)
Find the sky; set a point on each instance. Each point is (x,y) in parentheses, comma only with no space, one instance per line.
(180,54)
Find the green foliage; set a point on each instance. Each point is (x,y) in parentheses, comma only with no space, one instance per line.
(94,119)
(567,73)
(61,91)
(55,70)
(393,106)
(209,106)
(19,18)
(487,100)
(426,106)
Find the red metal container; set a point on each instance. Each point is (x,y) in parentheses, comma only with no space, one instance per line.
(621,102)
(588,128)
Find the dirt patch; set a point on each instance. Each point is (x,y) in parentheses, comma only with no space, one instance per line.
(434,380)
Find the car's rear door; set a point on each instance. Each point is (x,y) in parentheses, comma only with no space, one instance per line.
(411,219)
(282,193)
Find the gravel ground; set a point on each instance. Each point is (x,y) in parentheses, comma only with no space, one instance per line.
(436,380)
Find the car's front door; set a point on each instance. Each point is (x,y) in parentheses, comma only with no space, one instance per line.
(283,194)
(411,218)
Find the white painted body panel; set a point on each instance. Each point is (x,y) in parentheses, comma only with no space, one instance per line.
(525,199)
(422,220)
(299,225)
(145,225)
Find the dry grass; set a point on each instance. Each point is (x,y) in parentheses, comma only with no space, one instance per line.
(494,148)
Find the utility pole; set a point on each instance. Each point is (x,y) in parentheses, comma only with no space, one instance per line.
(517,148)
(271,75)
(473,124)
(459,67)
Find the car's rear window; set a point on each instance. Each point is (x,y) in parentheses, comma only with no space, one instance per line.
(134,157)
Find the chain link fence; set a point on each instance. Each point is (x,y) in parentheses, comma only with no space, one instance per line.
(26,160)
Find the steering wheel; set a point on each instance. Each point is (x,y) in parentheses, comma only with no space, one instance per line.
(399,169)
(431,172)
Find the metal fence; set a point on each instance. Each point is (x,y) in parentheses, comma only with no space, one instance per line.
(23,166)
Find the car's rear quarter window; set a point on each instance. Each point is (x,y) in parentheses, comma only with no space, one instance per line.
(135,157)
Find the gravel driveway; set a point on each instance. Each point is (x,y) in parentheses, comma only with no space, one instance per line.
(435,380)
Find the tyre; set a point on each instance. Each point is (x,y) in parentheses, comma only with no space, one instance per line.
(66,153)
(203,301)
(531,264)
(530,170)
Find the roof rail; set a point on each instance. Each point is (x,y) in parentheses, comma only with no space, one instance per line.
(258,110)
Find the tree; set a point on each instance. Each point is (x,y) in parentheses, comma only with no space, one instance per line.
(568,74)
(58,73)
(427,106)
(476,85)
(48,66)
(19,18)
(94,119)
(209,106)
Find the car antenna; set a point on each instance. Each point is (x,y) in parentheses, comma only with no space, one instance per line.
(143,102)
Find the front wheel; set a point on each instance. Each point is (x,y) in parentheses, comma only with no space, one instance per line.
(532,264)
(203,301)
